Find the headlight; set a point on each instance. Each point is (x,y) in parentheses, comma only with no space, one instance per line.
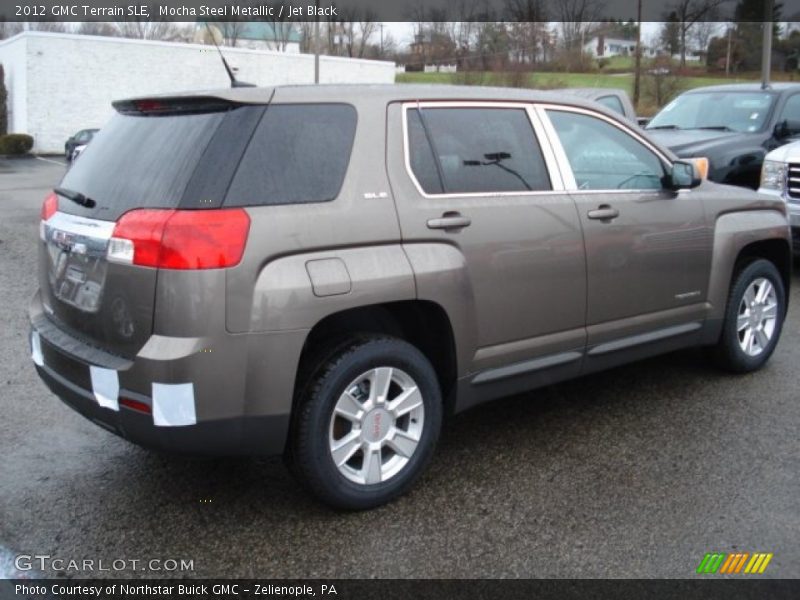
(773,176)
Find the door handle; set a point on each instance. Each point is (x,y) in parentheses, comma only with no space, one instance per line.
(603,213)
(450,220)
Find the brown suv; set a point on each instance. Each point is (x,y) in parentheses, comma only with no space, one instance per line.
(326,272)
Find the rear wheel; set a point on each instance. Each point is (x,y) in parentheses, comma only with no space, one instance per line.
(753,318)
(368,420)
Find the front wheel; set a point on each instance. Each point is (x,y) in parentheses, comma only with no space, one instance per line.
(753,318)
(368,419)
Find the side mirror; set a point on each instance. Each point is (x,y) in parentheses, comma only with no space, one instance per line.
(684,175)
(786,128)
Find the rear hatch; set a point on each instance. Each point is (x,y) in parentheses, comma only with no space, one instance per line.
(152,158)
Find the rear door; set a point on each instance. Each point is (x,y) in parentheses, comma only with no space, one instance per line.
(136,161)
(475,177)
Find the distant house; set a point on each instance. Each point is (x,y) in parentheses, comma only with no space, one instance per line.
(254,35)
(607,44)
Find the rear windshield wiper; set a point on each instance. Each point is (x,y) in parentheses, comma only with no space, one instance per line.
(76,197)
(663,127)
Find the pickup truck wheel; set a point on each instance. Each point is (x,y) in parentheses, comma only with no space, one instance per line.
(753,318)
(369,417)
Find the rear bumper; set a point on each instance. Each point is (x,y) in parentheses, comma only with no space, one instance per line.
(265,435)
(175,395)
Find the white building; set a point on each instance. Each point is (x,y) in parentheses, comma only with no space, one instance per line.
(601,46)
(60,83)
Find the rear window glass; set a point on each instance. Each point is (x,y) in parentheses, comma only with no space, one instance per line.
(299,153)
(138,161)
(479,150)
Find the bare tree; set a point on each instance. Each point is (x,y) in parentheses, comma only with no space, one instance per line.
(282,29)
(387,46)
(528,31)
(334,36)
(100,28)
(231,31)
(7,29)
(357,28)
(306,31)
(688,14)
(463,27)
(150,30)
(51,26)
(703,31)
(576,18)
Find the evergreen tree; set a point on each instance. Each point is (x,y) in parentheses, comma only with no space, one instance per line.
(670,35)
(749,30)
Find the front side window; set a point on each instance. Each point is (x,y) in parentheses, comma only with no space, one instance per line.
(475,150)
(604,157)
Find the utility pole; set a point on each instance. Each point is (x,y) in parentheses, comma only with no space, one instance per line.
(316,43)
(381,26)
(766,48)
(728,55)
(637,68)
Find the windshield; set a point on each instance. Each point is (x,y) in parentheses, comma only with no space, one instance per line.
(727,111)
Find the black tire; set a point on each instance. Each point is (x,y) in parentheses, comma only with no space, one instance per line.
(728,353)
(311,458)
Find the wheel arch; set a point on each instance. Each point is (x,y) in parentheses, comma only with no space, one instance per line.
(738,237)
(424,324)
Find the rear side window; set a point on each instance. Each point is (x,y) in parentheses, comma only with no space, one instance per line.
(299,153)
(477,150)
(140,161)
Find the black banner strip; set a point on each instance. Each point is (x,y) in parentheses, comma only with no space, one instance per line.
(704,587)
(594,11)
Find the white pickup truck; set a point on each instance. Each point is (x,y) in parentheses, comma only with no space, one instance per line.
(780,176)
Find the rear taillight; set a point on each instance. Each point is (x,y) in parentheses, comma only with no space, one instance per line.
(49,206)
(180,239)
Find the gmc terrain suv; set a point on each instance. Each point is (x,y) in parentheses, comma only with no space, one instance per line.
(326,272)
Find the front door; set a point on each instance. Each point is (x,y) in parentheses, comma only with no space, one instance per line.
(648,248)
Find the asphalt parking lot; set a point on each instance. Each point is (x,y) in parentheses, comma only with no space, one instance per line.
(637,472)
